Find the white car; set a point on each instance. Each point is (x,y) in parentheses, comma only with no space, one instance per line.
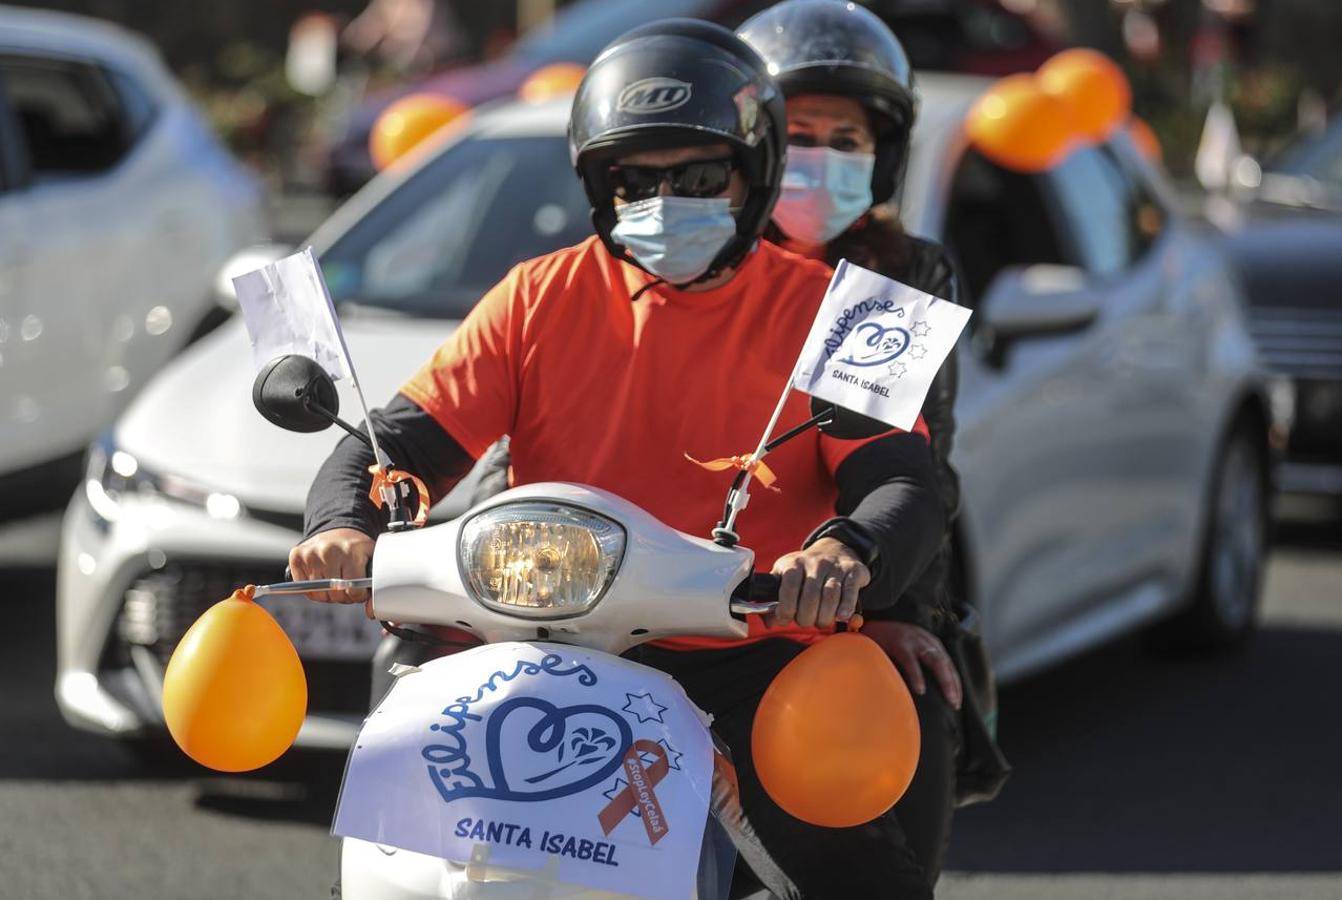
(1112,418)
(117,206)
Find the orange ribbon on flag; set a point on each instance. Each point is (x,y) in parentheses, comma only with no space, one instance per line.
(384,478)
(747,463)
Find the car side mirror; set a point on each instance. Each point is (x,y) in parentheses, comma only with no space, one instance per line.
(1034,301)
(296,394)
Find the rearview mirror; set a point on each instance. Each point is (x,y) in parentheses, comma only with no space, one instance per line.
(296,394)
(1029,301)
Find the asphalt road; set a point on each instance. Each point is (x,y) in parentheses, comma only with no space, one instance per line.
(1137,776)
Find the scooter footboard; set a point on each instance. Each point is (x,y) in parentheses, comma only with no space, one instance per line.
(531,770)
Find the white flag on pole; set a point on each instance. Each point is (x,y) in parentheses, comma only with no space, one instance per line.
(287,309)
(876,345)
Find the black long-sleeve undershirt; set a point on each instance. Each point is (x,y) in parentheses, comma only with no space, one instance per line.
(887,486)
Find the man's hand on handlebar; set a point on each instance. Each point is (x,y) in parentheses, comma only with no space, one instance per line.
(819,585)
(338,553)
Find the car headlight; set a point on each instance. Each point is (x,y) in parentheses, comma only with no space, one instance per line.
(542,560)
(113,474)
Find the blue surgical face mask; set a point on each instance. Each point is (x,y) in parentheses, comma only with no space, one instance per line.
(675,238)
(824,191)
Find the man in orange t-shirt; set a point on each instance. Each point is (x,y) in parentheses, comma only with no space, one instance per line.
(673,332)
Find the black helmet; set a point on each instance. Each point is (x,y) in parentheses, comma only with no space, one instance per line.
(833,47)
(680,82)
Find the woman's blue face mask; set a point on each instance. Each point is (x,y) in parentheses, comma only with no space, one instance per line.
(824,192)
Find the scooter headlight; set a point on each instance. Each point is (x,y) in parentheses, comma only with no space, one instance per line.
(538,559)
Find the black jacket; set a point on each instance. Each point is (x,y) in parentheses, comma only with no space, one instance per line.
(928,267)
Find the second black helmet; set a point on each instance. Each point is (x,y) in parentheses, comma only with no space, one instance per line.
(834,47)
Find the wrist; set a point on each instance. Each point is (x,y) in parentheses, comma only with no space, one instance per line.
(851,535)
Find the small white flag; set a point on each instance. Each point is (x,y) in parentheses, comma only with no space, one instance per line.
(876,345)
(288,309)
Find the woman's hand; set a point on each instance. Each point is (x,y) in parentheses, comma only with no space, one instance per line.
(338,553)
(912,648)
(819,585)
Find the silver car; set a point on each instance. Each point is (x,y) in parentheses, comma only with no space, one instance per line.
(117,206)
(1112,433)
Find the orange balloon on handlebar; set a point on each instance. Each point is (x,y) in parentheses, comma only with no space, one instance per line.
(836,739)
(234,692)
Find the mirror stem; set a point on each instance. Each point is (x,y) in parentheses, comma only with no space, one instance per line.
(322,411)
(824,417)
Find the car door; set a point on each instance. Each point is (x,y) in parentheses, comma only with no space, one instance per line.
(17,445)
(1040,442)
(80,254)
(1143,365)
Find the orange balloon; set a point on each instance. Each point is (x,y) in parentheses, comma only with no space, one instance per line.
(1018,126)
(407,122)
(551,81)
(1145,138)
(836,740)
(1093,86)
(234,693)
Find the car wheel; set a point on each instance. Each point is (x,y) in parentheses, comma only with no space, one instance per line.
(1224,607)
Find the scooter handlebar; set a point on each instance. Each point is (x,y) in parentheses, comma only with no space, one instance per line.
(757,595)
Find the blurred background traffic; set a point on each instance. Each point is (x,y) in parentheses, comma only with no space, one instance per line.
(1150,413)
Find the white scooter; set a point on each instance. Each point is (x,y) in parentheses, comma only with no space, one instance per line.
(540,764)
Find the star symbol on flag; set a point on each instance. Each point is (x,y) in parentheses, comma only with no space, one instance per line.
(917,351)
(898,370)
(646,708)
(620,786)
(920,329)
(672,756)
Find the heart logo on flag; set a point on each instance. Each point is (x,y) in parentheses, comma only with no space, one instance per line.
(538,751)
(873,344)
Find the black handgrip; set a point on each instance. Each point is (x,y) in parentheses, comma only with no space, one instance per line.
(763,588)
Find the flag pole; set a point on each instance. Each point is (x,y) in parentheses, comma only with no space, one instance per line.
(389,492)
(740,497)
(381,457)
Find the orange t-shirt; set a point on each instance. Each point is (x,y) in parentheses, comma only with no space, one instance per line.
(598,390)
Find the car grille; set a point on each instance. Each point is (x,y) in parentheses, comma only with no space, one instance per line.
(1302,343)
(159,607)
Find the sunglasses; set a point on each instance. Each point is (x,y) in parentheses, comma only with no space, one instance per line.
(700,178)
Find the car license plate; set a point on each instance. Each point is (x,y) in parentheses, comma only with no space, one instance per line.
(325,630)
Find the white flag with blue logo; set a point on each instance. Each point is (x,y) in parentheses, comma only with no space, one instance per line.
(876,345)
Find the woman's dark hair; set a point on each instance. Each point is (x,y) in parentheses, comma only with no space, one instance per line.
(877,241)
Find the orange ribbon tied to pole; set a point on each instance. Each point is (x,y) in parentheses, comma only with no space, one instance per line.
(747,463)
(390,478)
(638,794)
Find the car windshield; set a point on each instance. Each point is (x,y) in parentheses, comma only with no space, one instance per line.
(579,32)
(450,232)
